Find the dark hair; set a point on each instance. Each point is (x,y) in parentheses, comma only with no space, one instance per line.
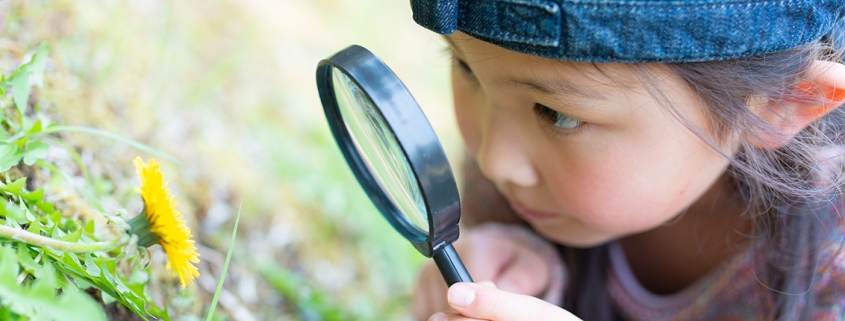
(788,191)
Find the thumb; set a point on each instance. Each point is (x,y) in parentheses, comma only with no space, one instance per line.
(488,303)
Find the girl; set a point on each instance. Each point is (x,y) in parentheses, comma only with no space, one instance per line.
(651,160)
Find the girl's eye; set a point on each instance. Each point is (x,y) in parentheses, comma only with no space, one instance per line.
(464,67)
(557,119)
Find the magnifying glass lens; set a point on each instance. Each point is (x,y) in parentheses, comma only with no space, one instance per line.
(380,150)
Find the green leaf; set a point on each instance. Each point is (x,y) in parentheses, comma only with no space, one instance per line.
(34,151)
(90,266)
(14,187)
(72,262)
(19,82)
(12,211)
(9,162)
(34,226)
(135,299)
(7,150)
(89,227)
(29,216)
(26,262)
(47,208)
(34,128)
(35,196)
(40,300)
(73,237)
(107,299)
(37,64)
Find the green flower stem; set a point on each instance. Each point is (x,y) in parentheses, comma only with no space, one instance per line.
(59,245)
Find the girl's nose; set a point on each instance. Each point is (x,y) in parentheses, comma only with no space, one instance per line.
(502,155)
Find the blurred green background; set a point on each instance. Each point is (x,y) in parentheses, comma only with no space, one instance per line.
(228,88)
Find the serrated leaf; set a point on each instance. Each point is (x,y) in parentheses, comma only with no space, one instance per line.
(46,284)
(25,260)
(107,299)
(137,302)
(14,187)
(8,268)
(90,266)
(34,227)
(89,227)
(40,301)
(72,261)
(12,212)
(121,287)
(29,216)
(81,282)
(36,196)
(73,237)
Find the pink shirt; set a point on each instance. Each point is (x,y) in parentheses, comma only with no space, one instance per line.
(730,292)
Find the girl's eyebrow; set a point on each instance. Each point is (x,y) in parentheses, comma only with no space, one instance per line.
(551,87)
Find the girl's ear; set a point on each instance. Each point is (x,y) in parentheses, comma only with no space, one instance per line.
(821,93)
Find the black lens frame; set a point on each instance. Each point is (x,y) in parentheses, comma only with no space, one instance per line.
(416,138)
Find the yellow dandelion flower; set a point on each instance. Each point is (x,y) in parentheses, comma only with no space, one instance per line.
(161,223)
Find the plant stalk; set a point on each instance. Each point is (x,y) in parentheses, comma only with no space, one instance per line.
(59,245)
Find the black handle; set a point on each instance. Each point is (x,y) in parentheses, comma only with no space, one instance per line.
(450,265)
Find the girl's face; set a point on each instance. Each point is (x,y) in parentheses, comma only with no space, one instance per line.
(584,154)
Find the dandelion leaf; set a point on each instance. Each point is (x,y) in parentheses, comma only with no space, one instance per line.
(14,187)
(12,212)
(39,300)
(36,196)
(72,237)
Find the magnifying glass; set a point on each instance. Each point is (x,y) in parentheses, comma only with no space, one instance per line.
(394,153)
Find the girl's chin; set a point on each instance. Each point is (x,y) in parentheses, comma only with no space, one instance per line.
(569,238)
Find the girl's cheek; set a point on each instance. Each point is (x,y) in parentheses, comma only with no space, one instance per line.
(467,115)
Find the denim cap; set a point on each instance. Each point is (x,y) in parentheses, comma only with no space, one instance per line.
(635,30)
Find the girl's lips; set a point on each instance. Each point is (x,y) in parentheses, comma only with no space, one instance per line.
(530,214)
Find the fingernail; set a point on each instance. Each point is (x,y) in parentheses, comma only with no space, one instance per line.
(439,316)
(461,295)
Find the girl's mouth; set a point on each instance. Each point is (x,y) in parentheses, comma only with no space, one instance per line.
(530,214)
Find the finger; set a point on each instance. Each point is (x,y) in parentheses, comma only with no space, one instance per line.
(488,283)
(526,274)
(440,316)
(486,303)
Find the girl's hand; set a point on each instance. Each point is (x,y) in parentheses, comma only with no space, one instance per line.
(483,301)
(509,255)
